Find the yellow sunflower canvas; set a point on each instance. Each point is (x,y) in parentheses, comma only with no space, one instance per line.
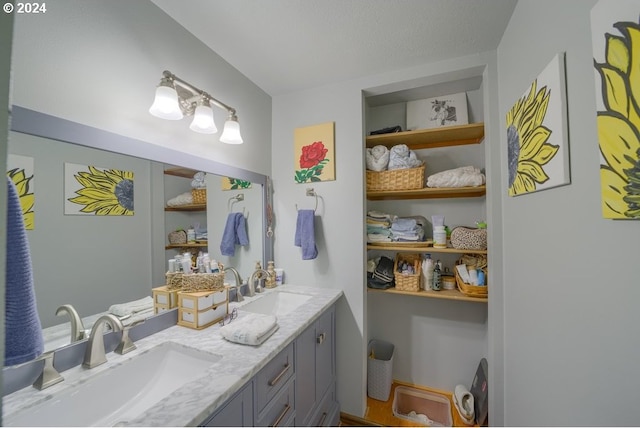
(537,137)
(615,28)
(91,190)
(20,171)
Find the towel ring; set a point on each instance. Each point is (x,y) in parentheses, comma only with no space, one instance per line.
(311,192)
(232,200)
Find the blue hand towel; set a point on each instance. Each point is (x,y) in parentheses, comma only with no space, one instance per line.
(23,335)
(235,233)
(305,234)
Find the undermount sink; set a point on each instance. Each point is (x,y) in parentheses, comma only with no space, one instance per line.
(122,392)
(276,303)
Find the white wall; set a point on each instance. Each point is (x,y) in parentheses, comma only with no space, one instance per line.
(571,277)
(340,224)
(98,63)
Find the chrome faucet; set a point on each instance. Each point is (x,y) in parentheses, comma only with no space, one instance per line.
(77,328)
(238,285)
(257,275)
(95,354)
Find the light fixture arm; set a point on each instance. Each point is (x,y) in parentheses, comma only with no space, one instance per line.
(198,92)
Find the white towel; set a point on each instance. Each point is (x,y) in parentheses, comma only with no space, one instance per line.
(400,157)
(377,158)
(122,309)
(252,329)
(137,316)
(457,177)
(182,199)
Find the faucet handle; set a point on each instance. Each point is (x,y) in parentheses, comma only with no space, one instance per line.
(49,375)
(126,344)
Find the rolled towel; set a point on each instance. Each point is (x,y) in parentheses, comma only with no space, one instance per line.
(377,158)
(129,308)
(253,329)
(400,157)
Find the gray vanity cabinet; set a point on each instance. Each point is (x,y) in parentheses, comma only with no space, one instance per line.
(316,403)
(236,412)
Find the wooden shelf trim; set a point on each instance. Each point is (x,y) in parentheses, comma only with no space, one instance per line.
(420,249)
(431,138)
(180,172)
(428,193)
(190,207)
(442,294)
(196,245)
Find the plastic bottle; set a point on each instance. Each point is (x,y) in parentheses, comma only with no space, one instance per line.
(481,277)
(427,270)
(436,285)
(439,237)
(191,235)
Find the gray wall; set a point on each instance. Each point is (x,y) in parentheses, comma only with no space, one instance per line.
(89,261)
(340,217)
(571,277)
(98,63)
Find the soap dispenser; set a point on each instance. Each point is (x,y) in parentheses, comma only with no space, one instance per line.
(270,282)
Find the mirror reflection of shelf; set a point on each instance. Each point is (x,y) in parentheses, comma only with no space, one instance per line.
(202,244)
(189,207)
(180,172)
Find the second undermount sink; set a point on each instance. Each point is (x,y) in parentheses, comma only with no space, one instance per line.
(276,303)
(122,392)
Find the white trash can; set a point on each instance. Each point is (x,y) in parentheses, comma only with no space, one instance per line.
(379,369)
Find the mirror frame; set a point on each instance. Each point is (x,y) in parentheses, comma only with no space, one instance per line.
(32,122)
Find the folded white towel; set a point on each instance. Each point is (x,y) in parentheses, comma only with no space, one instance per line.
(377,158)
(137,316)
(457,177)
(252,329)
(122,309)
(182,199)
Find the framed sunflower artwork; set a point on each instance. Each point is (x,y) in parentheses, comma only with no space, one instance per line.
(537,135)
(314,153)
(615,29)
(90,190)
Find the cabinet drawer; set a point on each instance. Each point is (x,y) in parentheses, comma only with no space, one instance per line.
(273,376)
(324,414)
(280,410)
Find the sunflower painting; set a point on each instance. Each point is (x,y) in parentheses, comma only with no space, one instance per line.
(90,190)
(537,141)
(20,171)
(616,56)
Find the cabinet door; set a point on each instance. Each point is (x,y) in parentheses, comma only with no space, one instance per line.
(305,375)
(325,352)
(237,412)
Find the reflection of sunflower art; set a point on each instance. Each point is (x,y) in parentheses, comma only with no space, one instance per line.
(619,122)
(25,193)
(534,123)
(100,191)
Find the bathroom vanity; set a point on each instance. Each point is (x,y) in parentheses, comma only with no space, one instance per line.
(288,380)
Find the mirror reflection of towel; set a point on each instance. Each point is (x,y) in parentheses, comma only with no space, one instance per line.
(235,233)
(305,234)
(23,331)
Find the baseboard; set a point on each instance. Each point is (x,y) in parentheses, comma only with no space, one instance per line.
(350,420)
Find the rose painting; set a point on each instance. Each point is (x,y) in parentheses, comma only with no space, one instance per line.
(314,153)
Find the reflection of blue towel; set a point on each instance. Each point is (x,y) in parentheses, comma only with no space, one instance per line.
(235,233)
(23,334)
(305,234)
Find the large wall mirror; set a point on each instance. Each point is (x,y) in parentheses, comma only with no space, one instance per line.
(95,261)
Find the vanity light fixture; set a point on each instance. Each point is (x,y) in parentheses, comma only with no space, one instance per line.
(176,98)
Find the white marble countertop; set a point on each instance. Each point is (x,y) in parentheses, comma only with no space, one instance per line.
(197,400)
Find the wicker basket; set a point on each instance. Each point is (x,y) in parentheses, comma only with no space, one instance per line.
(178,237)
(396,179)
(199,196)
(195,281)
(469,290)
(408,282)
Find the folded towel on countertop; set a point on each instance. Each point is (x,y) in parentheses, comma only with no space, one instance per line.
(305,234)
(400,157)
(129,308)
(252,329)
(377,158)
(465,176)
(235,233)
(23,332)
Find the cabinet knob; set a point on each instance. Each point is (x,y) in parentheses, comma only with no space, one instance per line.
(320,338)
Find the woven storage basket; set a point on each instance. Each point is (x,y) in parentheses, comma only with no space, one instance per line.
(408,282)
(468,238)
(469,290)
(173,281)
(178,237)
(199,196)
(202,281)
(396,179)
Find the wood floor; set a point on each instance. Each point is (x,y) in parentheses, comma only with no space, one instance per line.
(380,413)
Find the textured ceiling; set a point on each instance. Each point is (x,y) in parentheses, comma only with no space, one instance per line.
(289,45)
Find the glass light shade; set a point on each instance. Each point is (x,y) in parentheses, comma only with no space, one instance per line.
(231,132)
(203,120)
(165,105)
